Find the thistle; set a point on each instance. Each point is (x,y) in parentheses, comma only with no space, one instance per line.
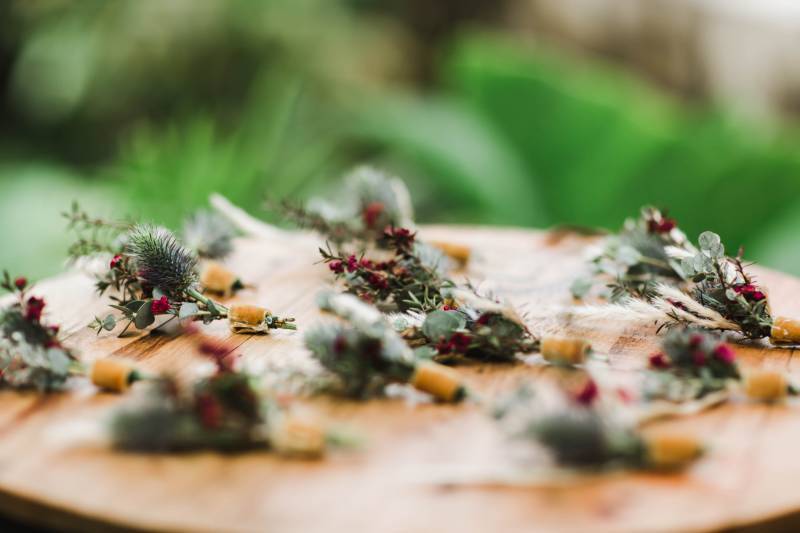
(366,354)
(584,437)
(31,353)
(208,234)
(647,251)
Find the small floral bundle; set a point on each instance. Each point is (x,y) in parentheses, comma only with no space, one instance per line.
(208,234)
(369,201)
(647,251)
(411,279)
(223,411)
(581,435)
(31,354)
(691,365)
(155,275)
(719,295)
(724,296)
(366,354)
(467,325)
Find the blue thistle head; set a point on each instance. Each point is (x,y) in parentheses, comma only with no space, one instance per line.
(161,261)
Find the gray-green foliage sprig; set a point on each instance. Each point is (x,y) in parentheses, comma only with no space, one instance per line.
(365,354)
(644,253)
(723,284)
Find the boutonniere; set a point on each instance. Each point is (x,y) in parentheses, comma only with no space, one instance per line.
(366,354)
(155,275)
(368,203)
(32,354)
(582,436)
(690,365)
(224,411)
(647,251)
(720,295)
(411,278)
(473,326)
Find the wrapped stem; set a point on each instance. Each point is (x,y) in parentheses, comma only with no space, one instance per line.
(441,382)
(563,350)
(785,330)
(113,374)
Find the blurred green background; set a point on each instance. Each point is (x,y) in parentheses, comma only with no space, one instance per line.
(144,107)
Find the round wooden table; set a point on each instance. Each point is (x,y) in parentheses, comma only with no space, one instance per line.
(54,470)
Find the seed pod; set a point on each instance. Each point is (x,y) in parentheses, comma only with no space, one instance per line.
(671,451)
(216,278)
(248,319)
(298,436)
(439,381)
(785,330)
(112,374)
(565,351)
(766,385)
(458,252)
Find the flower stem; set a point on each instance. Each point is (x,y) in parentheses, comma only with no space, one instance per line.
(194,293)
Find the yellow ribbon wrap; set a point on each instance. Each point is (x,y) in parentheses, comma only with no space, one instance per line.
(439,381)
(565,351)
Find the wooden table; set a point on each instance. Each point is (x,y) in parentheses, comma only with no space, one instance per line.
(51,473)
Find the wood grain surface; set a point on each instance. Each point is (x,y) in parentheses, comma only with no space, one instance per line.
(55,471)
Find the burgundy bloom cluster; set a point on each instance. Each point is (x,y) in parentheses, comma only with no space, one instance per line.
(26,315)
(458,342)
(665,225)
(690,351)
(749,291)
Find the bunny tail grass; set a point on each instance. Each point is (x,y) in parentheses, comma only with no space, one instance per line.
(242,221)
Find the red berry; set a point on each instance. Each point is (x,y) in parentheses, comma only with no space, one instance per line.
(20,283)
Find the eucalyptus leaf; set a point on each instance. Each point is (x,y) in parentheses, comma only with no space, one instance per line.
(440,324)
(109,323)
(144,316)
(580,287)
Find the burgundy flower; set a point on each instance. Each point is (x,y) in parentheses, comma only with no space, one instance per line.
(20,283)
(352,263)
(460,341)
(209,410)
(371,213)
(160,306)
(377,281)
(220,351)
(336,266)
(115,262)
(695,340)
(339,344)
(444,347)
(699,357)
(52,343)
(665,225)
(483,320)
(366,263)
(402,237)
(659,360)
(749,291)
(33,309)
(588,394)
(725,353)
